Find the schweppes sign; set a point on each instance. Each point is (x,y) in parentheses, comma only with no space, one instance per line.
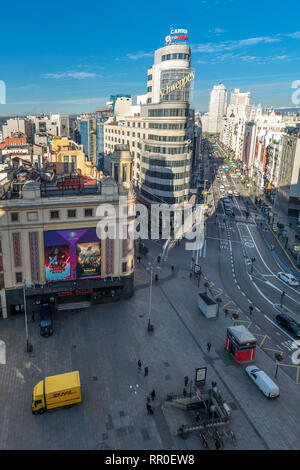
(178,85)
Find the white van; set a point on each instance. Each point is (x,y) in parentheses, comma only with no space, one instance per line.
(263,381)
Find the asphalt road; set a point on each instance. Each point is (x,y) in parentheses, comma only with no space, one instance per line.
(225,257)
(236,240)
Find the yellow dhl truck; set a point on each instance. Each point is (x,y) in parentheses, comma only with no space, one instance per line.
(56,391)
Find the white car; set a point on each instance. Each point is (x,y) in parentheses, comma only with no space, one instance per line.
(263,381)
(222,186)
(236,193)
(288,278)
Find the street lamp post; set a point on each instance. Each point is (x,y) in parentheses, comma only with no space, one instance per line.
(29,347)
(219,301)
(151,268)
(278,357)
(252,266)
(281,298)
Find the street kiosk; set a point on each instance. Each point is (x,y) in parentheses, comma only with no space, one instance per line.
(240,343)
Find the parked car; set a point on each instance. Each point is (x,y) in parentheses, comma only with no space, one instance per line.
(236,193)
(288,324)
(222,186)
(228,211)
(263,381)
(46,322)
(288,278)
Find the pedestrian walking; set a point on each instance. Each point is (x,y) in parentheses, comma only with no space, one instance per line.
(153,394)
(225,312)
(172,268)
(138,258)
(139,364)
(217,444)
(184,392)
(186,380)
(32,315)
(149,409)
(146,371)
(208,346)
(156,277)
(148,399)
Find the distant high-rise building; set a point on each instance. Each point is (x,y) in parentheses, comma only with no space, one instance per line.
(239,104)
(86,135)
(17,124)
(62,123)
(89,132)
(217,109)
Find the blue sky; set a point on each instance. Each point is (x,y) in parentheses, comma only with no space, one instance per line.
(70,57)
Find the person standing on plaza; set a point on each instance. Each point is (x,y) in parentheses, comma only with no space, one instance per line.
(139,364)
(146,371)
(186,380)
(217,444)
(208,346)
(149,409)
(153,394)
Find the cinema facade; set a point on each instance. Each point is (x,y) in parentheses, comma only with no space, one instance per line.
(50,248)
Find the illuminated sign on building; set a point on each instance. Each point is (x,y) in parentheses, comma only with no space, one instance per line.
(176,34)
(178,85)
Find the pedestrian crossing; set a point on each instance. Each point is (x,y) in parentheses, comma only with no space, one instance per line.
(291,345)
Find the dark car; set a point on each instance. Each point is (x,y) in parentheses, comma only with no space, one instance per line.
(46,322)
(288,324)
(228,211)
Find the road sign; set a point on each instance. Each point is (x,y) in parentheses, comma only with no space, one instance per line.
(200,376)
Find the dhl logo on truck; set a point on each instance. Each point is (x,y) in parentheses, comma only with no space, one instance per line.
(63,394)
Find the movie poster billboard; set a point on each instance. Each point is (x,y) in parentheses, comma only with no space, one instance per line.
(72,254)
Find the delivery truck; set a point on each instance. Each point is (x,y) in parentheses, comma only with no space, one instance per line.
(207,306)
(56,391)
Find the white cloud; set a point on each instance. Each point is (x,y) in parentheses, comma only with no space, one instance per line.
(231,45)
(71,74)
(295,35)
(139,55)
(217,31)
